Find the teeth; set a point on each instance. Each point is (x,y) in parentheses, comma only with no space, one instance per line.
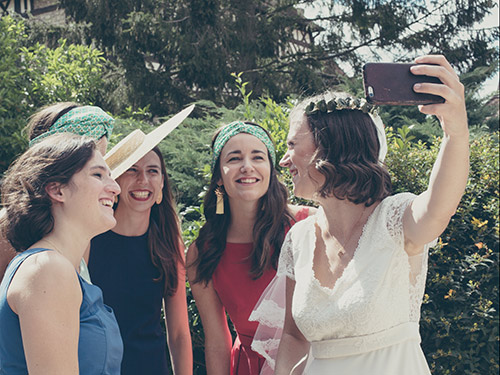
(248,180)
(107,202)
(140,194)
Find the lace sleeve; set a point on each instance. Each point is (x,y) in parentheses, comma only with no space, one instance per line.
(395,210)
(417,263)
(286,263)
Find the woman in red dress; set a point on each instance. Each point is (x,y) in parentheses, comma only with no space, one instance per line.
(236,254)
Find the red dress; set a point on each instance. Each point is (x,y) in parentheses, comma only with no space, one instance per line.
(239,293)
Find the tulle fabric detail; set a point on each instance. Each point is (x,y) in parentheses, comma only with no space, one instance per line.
(270,313)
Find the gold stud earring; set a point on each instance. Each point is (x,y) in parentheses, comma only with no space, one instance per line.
(220,201)
(159,198)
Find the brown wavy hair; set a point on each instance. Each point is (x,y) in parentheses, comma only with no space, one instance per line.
(347,154)
(164,236)
(55,159)
(273,219)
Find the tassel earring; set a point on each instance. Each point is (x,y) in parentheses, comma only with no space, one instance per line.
(116,199)
(159,198)
(220,201)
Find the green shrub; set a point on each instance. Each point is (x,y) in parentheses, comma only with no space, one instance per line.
(32,76)
(459,323)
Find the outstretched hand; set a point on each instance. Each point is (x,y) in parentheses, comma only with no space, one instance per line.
(452,113)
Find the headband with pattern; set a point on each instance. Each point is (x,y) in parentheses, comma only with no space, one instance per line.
(238,127)
(87,120)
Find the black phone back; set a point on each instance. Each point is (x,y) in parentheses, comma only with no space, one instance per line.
(392,83)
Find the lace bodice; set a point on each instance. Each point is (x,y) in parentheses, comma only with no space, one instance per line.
(380,287)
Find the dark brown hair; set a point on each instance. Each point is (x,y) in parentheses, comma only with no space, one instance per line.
(55,159)
(41,121)
(272,221)
(164,237)
(347,155)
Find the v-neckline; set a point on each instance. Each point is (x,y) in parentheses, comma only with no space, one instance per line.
(332,289)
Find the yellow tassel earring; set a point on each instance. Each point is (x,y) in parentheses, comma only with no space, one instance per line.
(159,198)
(116,199)
(220,201)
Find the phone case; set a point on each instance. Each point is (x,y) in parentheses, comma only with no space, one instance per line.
(392,83)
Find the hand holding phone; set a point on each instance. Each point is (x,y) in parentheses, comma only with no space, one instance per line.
(392,84)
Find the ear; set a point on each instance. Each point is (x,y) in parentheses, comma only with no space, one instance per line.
(54,190)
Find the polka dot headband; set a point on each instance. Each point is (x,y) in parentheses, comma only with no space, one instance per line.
(87,120)
(238,127)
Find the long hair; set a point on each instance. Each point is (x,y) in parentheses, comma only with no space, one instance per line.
(164,237)
(347,154)
(55,159)
(272,221)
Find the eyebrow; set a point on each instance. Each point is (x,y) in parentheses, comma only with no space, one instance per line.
(101,167)
(239,152)
(148,166)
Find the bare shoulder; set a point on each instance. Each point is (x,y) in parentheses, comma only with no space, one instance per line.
(296,209)
(43,278)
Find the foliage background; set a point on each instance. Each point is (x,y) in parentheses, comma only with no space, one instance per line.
(460,318)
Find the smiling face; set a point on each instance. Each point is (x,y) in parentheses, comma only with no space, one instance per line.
(91,194)
(141,184)
(306,179)
(245,168)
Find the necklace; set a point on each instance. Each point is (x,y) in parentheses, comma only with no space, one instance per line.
(348,238)
(54,247)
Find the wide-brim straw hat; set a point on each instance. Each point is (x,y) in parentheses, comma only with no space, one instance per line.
(134,146)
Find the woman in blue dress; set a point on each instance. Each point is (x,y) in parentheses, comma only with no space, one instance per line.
(57,195)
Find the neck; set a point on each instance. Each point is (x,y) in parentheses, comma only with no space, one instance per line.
(72,247)
(243,216)
(131,223)
(341,216)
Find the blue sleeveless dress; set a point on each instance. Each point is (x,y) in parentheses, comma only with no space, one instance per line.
(121,266)
(100,347)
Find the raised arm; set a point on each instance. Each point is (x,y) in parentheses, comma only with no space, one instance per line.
(429,214)
(177,323)
(218,339)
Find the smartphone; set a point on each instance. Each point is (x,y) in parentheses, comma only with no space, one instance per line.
(392,83)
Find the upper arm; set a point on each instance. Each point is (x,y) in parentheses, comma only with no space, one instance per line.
(421,227)
(176,305)
(177,324)
(212,312)
(218,338)
(46,295)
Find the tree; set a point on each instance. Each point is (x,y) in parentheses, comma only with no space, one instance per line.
(177,51)
(33,75)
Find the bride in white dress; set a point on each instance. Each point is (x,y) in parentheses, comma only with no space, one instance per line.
(355,271)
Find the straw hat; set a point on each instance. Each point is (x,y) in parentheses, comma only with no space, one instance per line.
(137,144)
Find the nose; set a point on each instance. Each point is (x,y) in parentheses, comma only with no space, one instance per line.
(285,161)
(247,165)
(113,187)
(142,176)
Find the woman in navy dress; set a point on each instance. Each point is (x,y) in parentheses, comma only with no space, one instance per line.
(140,267)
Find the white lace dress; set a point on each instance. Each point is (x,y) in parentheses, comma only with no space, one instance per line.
(368,322)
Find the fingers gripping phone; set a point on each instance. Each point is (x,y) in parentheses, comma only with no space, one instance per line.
(392,83)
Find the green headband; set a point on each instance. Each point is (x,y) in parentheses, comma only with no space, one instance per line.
(87,120)
(238,127)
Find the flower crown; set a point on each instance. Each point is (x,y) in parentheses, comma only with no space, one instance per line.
(338,104)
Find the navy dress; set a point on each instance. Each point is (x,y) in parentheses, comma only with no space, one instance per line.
(99,346)
(121,266)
